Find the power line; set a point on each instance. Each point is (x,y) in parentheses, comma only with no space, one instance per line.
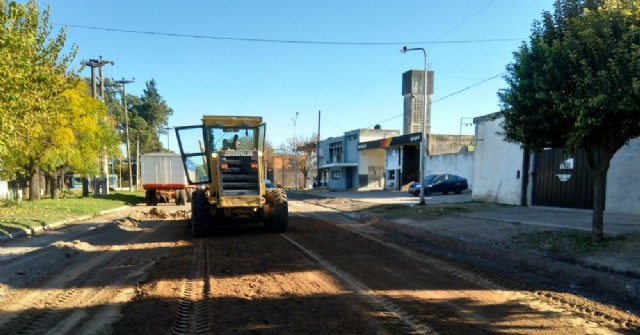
(466,19)
(468,87)
(445,97)
(283,41)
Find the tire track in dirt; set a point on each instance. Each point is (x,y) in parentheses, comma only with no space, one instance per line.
(84,296)
(193,312)
(370,296)
(505,295)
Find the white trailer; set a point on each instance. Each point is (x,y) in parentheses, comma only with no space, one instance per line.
(163,178)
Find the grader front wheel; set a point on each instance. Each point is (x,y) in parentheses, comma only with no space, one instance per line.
(279,218)
(199,213)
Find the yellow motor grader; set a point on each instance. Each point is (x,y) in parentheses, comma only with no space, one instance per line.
(228,155)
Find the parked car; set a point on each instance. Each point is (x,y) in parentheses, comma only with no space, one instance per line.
(437,183)
(268,184)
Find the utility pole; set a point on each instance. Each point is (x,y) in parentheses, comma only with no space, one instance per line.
(318,154)
(93,64)
(283,167)
(122,83)
(295,153)
(137,162)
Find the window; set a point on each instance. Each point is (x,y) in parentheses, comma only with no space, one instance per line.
(335,152)
(335,174)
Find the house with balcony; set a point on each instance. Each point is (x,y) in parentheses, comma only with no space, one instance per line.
(344,167)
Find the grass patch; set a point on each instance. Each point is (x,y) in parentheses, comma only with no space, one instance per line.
(565,242)
(28,214)
(417,212)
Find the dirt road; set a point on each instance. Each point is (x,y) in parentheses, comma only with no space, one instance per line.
(327,275)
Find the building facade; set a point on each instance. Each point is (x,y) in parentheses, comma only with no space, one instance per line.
(342,167)
(504,173)
(413,95)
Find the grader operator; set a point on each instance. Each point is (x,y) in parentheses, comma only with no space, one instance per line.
(228,153)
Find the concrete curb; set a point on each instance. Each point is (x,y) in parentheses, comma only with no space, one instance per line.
(54,225)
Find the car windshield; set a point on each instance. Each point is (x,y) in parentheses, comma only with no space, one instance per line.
(429,179)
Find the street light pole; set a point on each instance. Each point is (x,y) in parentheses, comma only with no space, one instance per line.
(423,142)
(295,152)
(167,129)
(123,82)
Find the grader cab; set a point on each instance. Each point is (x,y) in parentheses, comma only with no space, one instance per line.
(228,153)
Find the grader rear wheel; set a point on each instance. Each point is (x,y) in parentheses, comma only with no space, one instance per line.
(279,218)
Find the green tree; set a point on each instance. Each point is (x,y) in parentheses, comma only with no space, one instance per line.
(148,114)
(78,137)
(576,84)
(154,111)
(91,132)
(33,75)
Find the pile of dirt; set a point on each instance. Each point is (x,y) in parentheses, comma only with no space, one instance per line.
(160,213)
(73,246)
(129,224)
(182,214)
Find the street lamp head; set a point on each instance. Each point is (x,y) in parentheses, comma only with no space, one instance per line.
(403,49)
(125,81)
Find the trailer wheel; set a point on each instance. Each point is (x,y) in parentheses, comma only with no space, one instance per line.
(279,218)
(184,197)
(147,197)
(180,197)
(199,213)
(151,197)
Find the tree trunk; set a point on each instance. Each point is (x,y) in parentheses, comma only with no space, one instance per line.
(85,186)
(526,162)
(599,195)
(53,185)
(46,184)
(34,185)
(598,160)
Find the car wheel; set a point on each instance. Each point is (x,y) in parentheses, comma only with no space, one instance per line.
(458,190)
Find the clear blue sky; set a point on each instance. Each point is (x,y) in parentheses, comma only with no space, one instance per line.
(356,84)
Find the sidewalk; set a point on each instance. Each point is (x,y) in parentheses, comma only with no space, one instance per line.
(614,224)
(31,231)
(551,217)
(493,232)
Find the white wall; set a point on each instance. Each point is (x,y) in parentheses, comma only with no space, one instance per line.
(4,189)
(459,163)
(496,165)
(374,157)
(623,180)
